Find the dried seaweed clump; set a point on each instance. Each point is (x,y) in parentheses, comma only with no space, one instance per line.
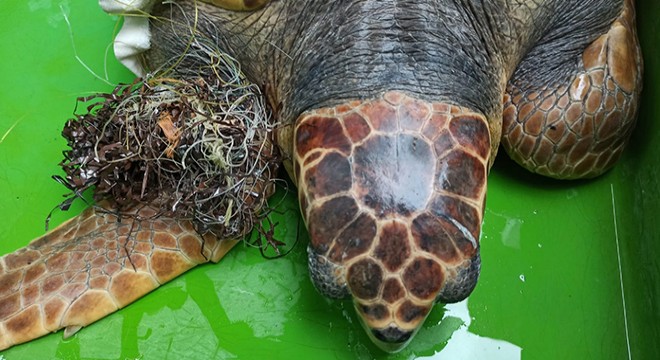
(198,147)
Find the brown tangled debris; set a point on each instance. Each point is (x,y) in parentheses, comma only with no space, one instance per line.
(196,147)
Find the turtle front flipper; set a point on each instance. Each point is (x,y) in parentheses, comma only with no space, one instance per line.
(92,266)
(570,109)
(393,190)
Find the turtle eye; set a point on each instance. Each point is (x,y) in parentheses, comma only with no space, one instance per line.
(238,5)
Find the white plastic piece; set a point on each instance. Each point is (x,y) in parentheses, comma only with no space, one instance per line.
(122,7)
(134,37)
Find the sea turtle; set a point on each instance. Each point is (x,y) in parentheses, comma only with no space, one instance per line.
(393,112)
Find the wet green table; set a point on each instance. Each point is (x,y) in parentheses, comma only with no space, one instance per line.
(570,269)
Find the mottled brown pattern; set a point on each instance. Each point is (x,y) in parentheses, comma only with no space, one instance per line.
(21,326)
(54,310)
(320,132)
(393,291)
(164,240)
(410,168)
(443,143)
(191,248)
(93,304)
(356,127)
(53,283)
(393,249)
(365,278)
(99,282)
(392,187)
(462,174)
(29,293)
(326,220)
(127,286)
(375,312)
(165,265)
(423,278)
(9,305)
(59,282)
(447,207)
(411,313)
(331,175)
(20,260)
(430,235)
(356,239)
(381,115)
(34,272)
(600,102)
(472,133)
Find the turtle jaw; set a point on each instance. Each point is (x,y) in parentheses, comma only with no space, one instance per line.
(389,334)
(391,339)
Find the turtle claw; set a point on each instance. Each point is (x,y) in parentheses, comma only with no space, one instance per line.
(69,331)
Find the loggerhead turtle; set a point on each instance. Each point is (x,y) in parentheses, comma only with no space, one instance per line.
(394,113)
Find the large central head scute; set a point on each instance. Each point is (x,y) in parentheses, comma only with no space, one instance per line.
(393,173)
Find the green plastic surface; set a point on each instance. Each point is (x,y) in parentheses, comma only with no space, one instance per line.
(570,269)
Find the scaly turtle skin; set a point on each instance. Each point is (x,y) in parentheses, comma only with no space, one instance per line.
(393,112)
(80,272)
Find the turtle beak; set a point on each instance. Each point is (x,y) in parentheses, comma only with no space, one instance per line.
(390,337)
(391,326)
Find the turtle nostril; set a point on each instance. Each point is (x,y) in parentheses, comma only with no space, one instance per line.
(392,335)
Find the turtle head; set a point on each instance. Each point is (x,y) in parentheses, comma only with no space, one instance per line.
(391,184)
(392,190)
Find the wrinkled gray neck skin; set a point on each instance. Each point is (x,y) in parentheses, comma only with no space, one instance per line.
(314,53)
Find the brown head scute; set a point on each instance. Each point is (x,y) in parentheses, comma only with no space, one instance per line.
(321,133)
(326,221)
(408,312)
(426,230)
(472,133)
(364,278)
(394,252)
(354,240)
(331,174)
(423,277)
(461,173)
(392,190)
(447,208)
(393,290)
